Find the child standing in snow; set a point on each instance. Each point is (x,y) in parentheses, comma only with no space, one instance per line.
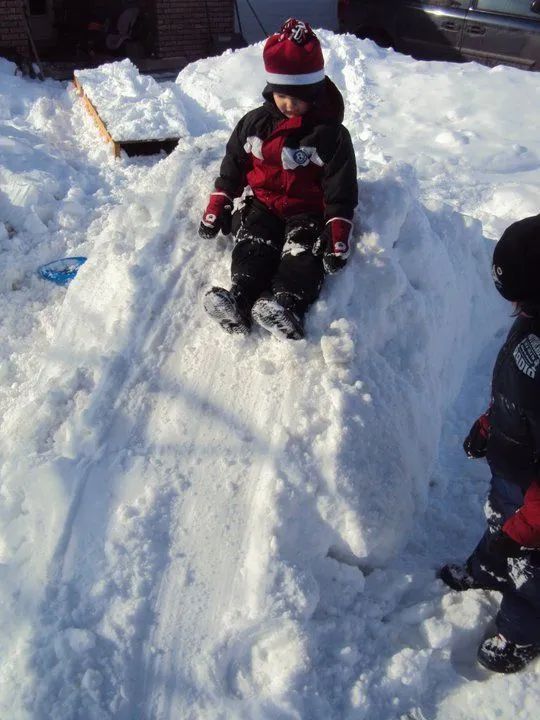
(507,558)
(298,161)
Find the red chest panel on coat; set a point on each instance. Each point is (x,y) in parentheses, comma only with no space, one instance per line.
(286,175)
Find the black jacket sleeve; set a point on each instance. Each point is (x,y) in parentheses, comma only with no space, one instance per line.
(339,183)
(232,174)
(532,415)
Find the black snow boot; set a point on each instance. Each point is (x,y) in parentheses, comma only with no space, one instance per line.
(281,321)
(503,656)
(226,307)
(458,577)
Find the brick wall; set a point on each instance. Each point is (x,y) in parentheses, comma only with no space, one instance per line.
(13,37)
(185,27)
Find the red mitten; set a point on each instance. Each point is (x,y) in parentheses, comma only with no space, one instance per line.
(333,244)
(475,444)
(217,216)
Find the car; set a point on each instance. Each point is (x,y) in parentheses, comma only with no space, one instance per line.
(492,32)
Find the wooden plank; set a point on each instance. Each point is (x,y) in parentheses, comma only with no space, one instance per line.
(131,147)
(102,127)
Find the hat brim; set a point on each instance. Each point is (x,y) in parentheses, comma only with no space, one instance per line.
(307,93)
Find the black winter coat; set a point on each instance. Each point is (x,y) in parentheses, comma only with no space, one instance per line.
(513,449)
(294,165)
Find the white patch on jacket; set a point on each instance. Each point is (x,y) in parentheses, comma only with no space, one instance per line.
(527,355)
(292,158)
(254,146)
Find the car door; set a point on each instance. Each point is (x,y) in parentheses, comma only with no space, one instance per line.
(503,31)
(431,29)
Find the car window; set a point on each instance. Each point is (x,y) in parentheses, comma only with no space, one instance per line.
(508,7)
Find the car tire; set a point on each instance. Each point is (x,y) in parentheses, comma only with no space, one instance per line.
(380,37)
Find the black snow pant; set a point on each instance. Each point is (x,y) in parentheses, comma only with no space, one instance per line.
(275,255)
(518,579)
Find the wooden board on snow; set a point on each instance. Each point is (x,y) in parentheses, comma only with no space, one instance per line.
(148,146)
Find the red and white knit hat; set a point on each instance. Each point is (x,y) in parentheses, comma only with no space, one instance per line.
(293,60)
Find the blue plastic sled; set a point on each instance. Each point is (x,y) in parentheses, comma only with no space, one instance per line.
(61,271)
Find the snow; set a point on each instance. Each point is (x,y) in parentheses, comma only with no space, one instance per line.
(133,106)
(199,526)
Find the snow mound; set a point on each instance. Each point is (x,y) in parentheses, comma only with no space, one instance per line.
(7,67)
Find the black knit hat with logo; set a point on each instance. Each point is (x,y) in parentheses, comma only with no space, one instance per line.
(516,261)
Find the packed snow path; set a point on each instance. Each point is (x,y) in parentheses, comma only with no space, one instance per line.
(183,511)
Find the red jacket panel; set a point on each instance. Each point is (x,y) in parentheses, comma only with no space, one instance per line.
(524,525)
(287,180)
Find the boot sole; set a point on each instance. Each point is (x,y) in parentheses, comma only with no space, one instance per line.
(514,665)
(274,318)
(220,306)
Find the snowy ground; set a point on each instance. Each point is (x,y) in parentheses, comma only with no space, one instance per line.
(199,527)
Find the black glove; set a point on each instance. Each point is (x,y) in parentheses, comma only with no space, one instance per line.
(502,545)
(475,444)
(217,216)
(333,244)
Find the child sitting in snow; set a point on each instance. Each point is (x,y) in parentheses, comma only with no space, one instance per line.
(298,160)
